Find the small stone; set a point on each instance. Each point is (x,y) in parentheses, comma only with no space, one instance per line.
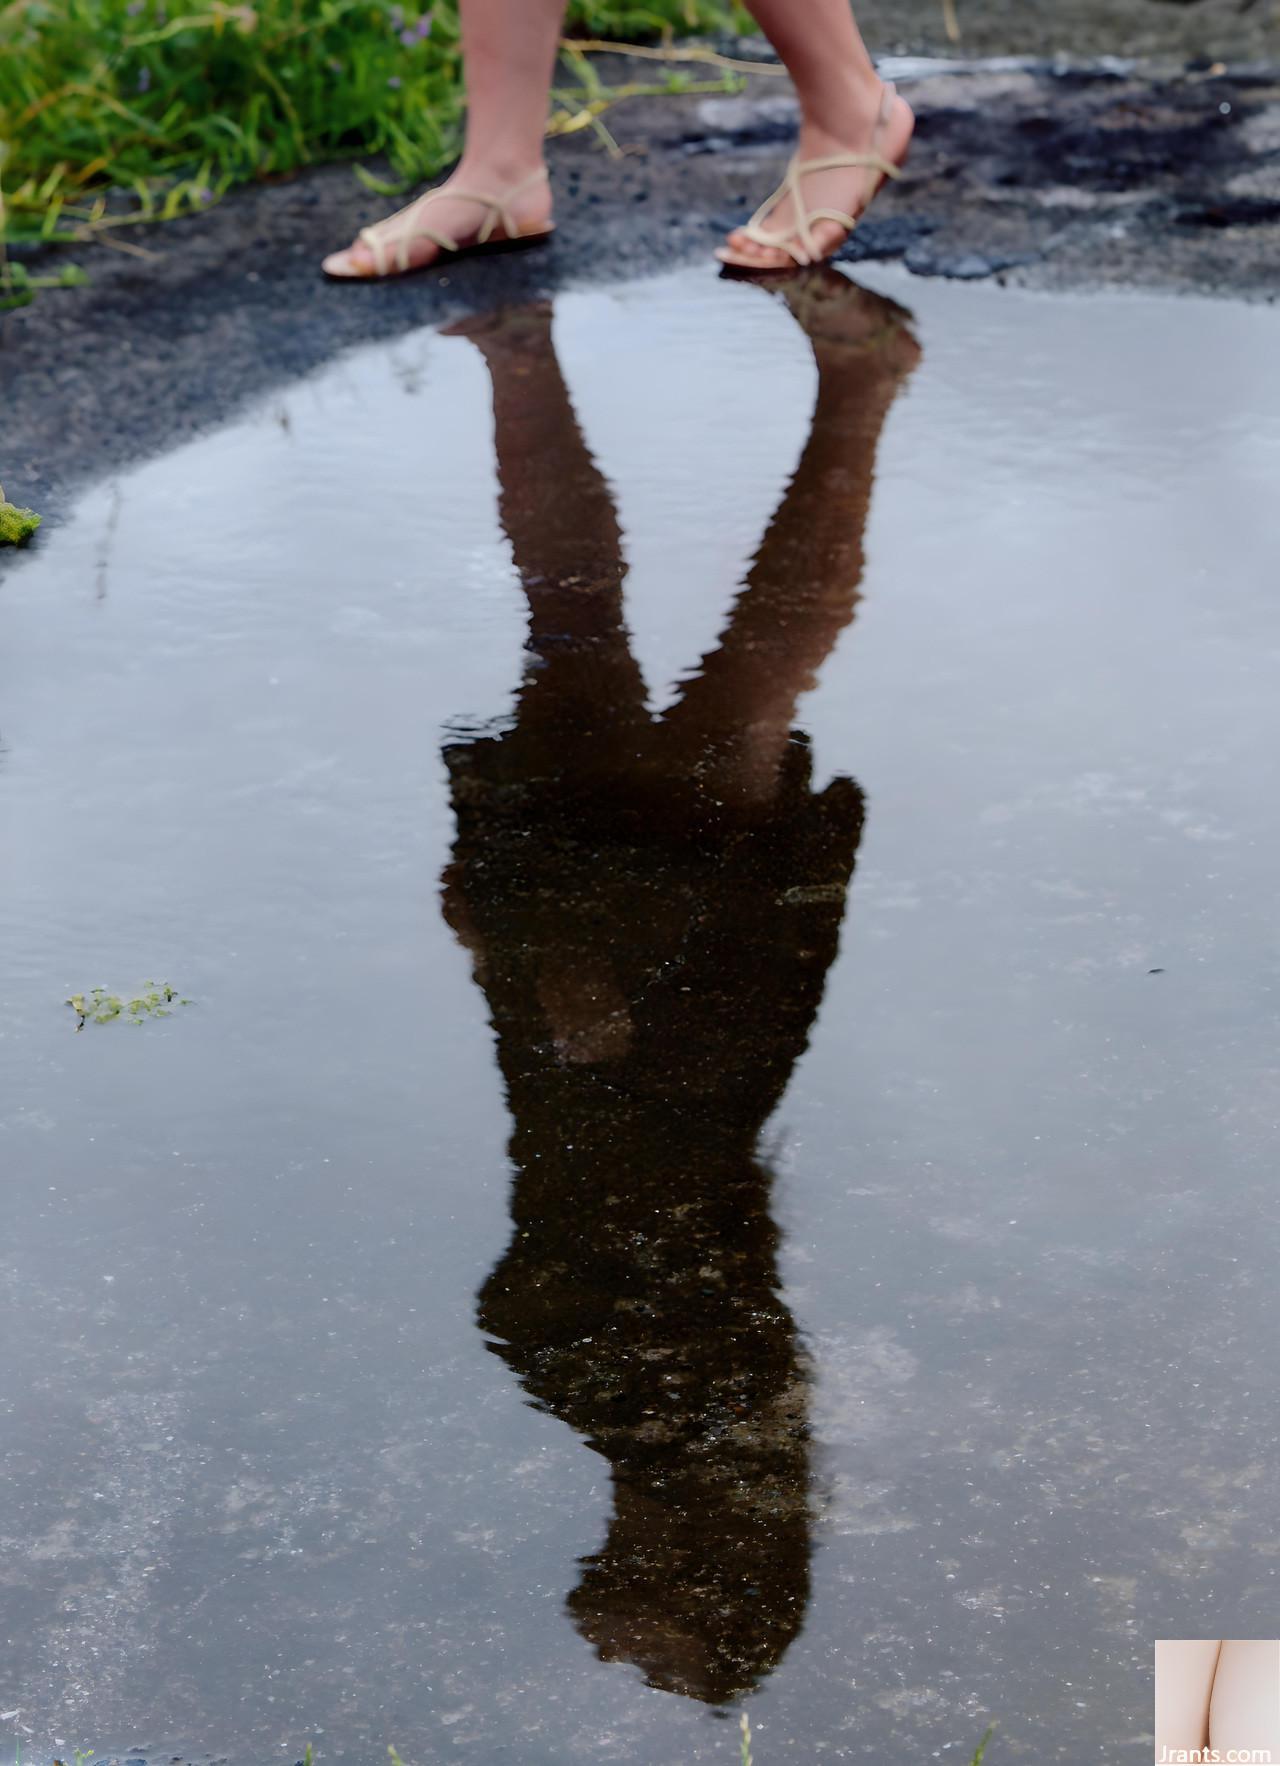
(962,266)
(889,236)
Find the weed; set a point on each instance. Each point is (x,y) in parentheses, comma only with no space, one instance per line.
(18,288)
(101,1007)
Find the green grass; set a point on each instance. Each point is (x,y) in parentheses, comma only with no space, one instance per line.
(114,112)
(16,525)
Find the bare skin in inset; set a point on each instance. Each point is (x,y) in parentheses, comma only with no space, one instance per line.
(1218,1694)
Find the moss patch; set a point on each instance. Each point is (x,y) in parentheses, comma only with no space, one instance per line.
(16,525)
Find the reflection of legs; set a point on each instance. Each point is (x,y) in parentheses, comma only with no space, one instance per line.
(581,708)
(558,513)
(802,588)
(509,52)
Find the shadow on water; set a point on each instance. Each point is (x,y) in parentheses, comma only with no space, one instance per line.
(652,903)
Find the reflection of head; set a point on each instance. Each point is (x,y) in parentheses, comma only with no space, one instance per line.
(653,905)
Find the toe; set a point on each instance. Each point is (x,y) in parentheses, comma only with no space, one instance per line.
(746,253)
(828,237)
(744,246)
(349,265)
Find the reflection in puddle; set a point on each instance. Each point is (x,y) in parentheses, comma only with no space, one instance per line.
(652,903)
(907,1419)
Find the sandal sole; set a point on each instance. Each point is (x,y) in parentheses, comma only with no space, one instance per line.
(443,259)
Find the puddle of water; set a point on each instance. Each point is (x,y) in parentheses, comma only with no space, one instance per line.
(635,1219)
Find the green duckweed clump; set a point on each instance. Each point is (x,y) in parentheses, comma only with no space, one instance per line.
(100,1007)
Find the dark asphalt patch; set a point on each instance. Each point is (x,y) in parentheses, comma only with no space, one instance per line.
(1047,175)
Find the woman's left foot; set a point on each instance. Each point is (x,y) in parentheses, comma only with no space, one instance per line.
(471,211)
(810,216)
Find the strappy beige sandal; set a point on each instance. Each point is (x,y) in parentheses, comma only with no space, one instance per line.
(390,240)
(798,241)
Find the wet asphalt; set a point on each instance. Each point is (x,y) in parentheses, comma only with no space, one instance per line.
(1041,173)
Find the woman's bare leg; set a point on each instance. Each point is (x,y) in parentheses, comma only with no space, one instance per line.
(509,54)
(840,96)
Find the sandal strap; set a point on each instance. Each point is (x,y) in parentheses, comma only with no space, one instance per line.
(835,161)
(788,242)
(799,242)
(384,233)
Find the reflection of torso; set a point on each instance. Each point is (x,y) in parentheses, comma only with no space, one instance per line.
(653,965)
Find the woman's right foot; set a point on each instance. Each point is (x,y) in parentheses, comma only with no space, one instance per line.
(474,206)
(795,227)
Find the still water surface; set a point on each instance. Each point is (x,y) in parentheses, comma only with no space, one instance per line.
(724,849)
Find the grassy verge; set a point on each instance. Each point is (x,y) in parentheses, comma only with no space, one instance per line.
(115,112)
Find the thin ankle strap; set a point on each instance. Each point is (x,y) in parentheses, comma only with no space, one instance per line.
(501,205)
(541,176)
(835,161)
(876,161)
(498,213)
